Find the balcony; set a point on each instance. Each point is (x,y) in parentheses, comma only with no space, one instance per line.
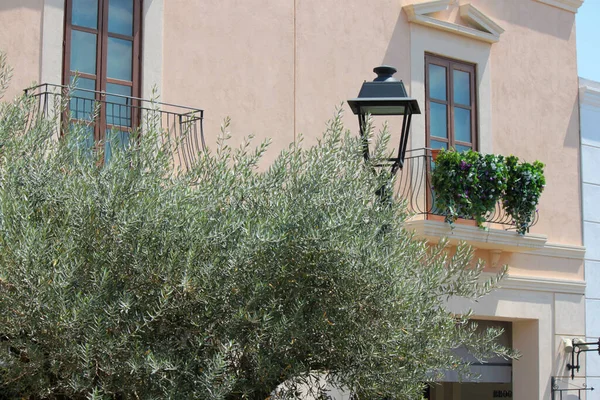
(102,113)
(414,186)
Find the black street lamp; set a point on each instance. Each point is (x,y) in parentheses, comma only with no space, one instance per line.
(385,96)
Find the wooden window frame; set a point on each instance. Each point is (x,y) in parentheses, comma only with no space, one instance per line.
(101,78)
(451,65)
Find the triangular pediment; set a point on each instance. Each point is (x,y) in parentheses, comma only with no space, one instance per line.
(478,25)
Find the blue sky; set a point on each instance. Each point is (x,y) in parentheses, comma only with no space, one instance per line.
(588,40)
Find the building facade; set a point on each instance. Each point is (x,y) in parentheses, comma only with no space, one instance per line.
(495,76)
(589,98)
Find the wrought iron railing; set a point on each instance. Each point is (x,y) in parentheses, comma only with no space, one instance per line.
(414,186)
(111,115)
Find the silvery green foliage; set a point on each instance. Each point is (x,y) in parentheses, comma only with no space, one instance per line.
(132,280)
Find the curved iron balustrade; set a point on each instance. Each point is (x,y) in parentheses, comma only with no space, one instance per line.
(107,112)
(413,184)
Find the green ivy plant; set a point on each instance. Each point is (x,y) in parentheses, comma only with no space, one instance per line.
(468,184)
(525,185)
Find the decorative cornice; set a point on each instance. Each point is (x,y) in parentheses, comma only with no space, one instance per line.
(589,95)
(559,251)
(427,8)
(530,283)
(568,5)
(493,239)
(478,19)
(484,28)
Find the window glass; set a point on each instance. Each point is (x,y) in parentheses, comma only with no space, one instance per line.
(85,13)
(120,17)
(437,82)
(82,136)
(101,39)
(462,87)
(450,103)
(462,125)
(435,145)
(118,108)
(83,52)
(438,120)
(115,139)
(119,59)
(81,104)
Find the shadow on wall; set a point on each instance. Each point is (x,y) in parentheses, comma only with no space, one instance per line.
(398,54)
(35,4)
(572,133)
(531,15)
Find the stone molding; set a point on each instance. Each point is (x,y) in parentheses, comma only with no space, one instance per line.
(482,27)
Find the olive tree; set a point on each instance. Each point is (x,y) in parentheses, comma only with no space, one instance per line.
(232,279)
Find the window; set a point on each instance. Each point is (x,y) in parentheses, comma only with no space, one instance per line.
(450,103)
(102,47)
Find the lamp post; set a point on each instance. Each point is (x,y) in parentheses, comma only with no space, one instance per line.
(385,96)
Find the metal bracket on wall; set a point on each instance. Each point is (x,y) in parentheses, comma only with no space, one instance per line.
(579,347)
(555,389)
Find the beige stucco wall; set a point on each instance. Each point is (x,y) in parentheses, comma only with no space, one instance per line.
(279,70)
(233,59)
(20,39)
(540,320)
(535,113)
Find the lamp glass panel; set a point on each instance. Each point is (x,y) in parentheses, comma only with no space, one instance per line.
(384,110)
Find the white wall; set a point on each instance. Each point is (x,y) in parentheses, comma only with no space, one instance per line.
(589,98)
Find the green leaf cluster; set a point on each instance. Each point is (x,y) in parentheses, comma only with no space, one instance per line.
(469,185)
(231,280)
(526,183)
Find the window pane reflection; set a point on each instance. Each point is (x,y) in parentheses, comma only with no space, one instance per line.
(438,120)
(85,13)
(115,140)
(120,17)
(462,87)
(460,148)
(81,104)
(462,125)
(118,109)
(82,137)
(120,56)
(435,145)
(83,52)
(437,82)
